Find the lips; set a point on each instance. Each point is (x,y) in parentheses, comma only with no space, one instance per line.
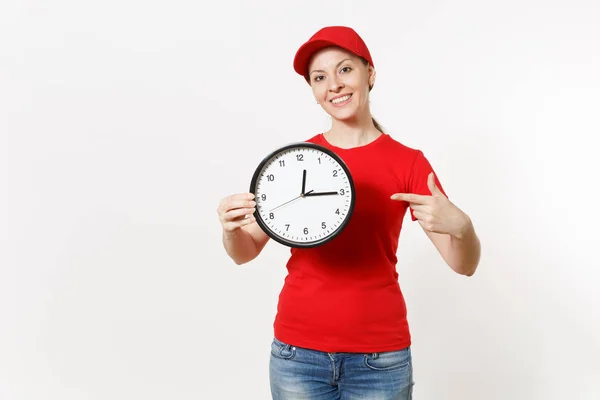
(341,99)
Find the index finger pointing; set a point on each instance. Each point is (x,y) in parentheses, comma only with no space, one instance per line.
(411,198)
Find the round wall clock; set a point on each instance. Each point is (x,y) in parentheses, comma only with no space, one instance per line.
(304,195)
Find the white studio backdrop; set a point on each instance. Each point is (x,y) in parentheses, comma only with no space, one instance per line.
(123,123)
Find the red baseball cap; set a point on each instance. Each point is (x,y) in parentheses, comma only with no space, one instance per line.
(341,36)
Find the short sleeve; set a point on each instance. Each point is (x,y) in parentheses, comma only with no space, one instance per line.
(417,183)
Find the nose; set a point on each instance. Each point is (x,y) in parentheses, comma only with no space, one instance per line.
(335,84)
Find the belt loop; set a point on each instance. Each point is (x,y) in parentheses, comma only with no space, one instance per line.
(375,356)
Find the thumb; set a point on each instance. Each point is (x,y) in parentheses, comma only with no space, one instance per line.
(432,186)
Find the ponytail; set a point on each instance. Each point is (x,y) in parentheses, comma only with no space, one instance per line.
(377,126)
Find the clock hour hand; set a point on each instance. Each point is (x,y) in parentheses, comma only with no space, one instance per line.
(294,199)
(309,194)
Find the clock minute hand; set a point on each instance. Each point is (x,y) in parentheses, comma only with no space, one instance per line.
(294,199)
(303,182)
(309,194)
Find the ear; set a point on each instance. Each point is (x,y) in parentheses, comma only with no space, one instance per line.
(372,76)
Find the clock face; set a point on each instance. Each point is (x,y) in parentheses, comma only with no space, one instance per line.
(304,195)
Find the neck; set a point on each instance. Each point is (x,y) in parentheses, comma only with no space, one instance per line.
(352,133)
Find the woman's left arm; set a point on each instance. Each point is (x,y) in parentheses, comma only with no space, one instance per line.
(450,229)
(460,252)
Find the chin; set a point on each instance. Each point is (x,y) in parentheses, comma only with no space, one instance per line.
(343,115)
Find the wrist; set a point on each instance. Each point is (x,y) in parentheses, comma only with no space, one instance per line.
(465,229)
(230,235)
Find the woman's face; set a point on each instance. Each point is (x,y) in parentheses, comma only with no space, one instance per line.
(340,82)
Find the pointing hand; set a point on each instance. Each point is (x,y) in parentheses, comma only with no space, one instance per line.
(436,213)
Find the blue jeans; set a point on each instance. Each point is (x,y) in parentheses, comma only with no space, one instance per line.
(302,374)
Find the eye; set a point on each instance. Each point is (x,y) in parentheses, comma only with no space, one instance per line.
(345,69)
(317,78)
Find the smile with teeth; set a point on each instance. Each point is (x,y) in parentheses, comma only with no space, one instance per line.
(341,99)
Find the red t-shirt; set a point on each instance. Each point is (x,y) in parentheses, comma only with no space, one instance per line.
(344,295)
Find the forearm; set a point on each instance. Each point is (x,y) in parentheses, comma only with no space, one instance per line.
(465,251)
(240,246)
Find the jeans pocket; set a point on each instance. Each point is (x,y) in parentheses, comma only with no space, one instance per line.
(389,360)
(282,350)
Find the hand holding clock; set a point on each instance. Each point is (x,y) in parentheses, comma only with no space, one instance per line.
(236,211)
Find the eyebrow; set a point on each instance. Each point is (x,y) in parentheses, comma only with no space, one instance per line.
(338,64)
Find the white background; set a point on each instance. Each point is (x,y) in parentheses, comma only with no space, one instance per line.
(123,123)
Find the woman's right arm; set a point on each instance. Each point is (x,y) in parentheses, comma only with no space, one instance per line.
(243,238)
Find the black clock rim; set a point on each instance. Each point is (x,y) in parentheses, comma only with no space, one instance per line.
(295,244)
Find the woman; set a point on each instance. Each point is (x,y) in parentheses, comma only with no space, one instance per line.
(341,330)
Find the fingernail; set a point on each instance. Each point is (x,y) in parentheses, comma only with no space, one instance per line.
(250,196)
(252,203)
